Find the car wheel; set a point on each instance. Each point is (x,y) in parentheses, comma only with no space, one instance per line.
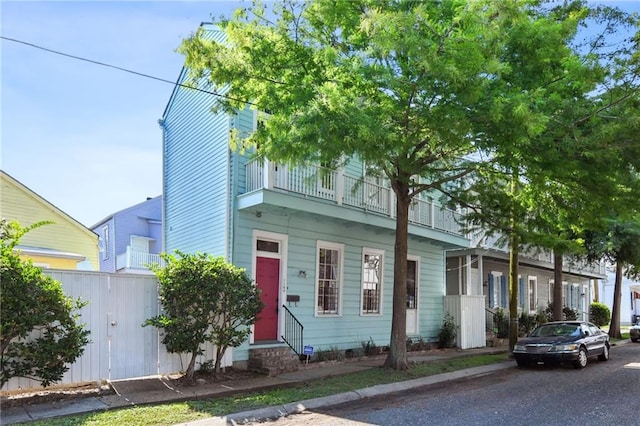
(581,362)
(521,363)
(604,356)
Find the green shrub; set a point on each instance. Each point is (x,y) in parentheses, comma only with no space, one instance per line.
(370,348)
(330,354)
(599,314)
(568,314)
(448,332)
(501,323)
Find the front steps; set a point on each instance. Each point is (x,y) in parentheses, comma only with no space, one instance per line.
(273,360)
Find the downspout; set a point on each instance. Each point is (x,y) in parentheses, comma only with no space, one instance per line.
(232,174)
(163,128)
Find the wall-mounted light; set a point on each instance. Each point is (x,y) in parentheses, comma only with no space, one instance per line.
(302,274)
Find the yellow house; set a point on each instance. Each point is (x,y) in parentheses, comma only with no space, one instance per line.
(64,244)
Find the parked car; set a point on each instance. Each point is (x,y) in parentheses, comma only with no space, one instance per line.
(634,331)
(561,342)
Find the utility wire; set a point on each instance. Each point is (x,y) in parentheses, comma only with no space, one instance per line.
(79,58)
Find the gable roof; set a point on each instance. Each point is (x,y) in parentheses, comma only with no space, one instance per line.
(5,178)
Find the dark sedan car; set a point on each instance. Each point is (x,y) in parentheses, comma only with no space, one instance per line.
(562,341)
(634,331)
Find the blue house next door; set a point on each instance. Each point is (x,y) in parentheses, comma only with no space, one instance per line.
(267,279)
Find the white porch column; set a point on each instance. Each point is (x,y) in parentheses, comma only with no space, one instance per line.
(339,186)
(267,175)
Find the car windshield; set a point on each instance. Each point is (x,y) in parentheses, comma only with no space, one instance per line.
(549,330)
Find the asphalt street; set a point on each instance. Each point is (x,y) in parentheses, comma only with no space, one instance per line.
(604,393)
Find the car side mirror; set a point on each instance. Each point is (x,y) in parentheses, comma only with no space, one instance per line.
(587,333)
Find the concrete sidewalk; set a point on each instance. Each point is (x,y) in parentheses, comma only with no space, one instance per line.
(157,390)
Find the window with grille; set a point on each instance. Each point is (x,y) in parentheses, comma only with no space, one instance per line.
(329,278)
(412,267)
(371,281)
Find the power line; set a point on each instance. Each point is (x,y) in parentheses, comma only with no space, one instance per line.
(80,58)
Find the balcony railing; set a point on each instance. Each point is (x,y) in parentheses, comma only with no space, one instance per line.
(137,260)
(343,189)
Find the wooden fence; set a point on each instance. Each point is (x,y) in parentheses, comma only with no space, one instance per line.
(120,347)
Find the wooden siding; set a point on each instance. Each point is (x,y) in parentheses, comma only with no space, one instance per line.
(143,219)
(65,234)
(119,347)
(351,328)
(196,173)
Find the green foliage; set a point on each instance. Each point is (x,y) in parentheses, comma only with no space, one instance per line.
(501,323)
(39,333)
(568,314)
(599,314)
(204,299)
(448,332)
(370,348)
(329,354)
(527,322)
(423,92)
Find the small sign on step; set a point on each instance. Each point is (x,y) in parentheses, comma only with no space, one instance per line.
(307,351)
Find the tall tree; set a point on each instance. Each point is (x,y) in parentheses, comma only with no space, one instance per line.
(564,171)
(39,330)
(406,86)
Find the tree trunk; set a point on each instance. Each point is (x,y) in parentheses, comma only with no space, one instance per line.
(397,357)
(192,366)
(557,286)
(513,290)
(614,327)
(514,245)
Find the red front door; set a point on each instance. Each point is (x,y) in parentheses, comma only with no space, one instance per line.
(267,279)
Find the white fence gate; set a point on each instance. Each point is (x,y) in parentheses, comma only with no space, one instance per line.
(120,347)
(468,313)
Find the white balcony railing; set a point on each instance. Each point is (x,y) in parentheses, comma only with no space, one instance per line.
(137,260)
(342,189)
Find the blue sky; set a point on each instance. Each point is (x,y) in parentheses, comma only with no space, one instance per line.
(83,136)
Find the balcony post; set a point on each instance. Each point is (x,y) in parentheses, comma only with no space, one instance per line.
(267,175)
(432,213)
(391,198)
(339,186)
(128,257)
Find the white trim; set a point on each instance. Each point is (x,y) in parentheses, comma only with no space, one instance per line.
(340,248)
(412,258)
(374,252)
(283,241)
(533,278)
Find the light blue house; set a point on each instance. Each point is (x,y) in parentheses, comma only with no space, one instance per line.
(630,301)
(319,243)
(132,238)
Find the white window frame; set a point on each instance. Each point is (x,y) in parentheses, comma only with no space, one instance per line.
(326,245)
(380,285)
(532,290)
(107,242)
(497,289)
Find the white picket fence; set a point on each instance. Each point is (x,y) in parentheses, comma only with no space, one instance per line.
(120,347)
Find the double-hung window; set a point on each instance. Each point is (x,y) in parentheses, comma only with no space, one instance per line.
(329,282)
(372,262)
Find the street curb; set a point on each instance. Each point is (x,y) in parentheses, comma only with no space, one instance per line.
(274,412)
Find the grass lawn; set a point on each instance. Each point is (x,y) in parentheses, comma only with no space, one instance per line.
(172,413)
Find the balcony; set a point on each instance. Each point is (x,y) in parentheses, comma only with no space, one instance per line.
(135,261)
(341,189)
